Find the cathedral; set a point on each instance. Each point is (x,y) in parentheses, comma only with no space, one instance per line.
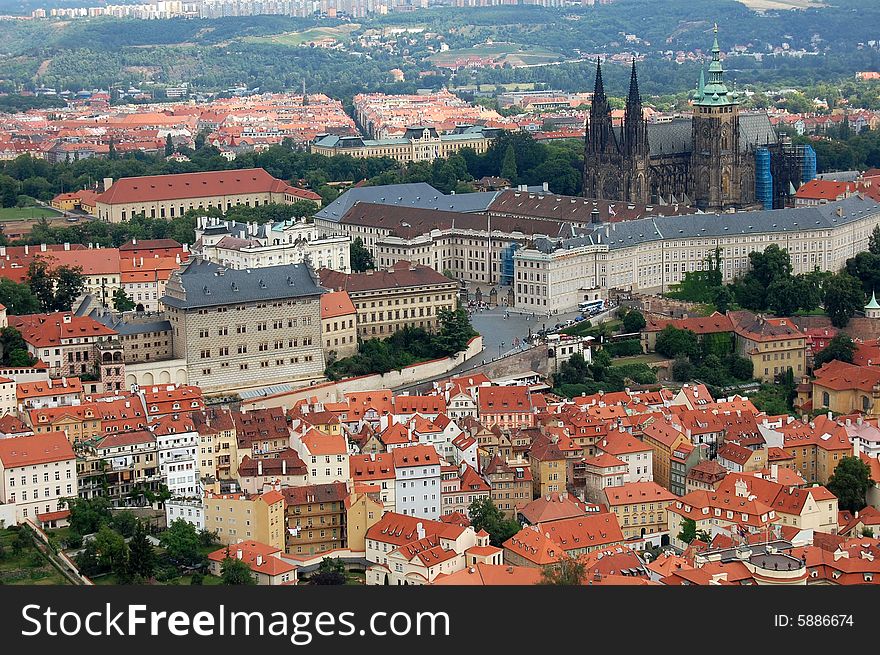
(709,160)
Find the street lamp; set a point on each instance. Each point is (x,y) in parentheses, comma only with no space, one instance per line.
(500,346)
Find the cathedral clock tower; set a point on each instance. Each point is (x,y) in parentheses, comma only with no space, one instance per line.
(720,176)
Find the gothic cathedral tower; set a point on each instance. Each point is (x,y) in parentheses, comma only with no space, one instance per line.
(602,154)
(719,175)
(636,183)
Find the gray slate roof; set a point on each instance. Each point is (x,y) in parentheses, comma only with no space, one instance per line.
(420,195)
(646,230)
(675,136)
(123,327)
(208,284)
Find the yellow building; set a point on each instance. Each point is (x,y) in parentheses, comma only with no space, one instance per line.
(239,517)
(846,388)
(168,196)
(419,143)
(338,325)
(362,512)
(774,345)
(405,294)
(66,201)
(547,464)
(817,447)
(316,519)
(640,507)
(664,438)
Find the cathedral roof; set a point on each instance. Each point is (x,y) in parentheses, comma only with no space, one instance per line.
(675,136)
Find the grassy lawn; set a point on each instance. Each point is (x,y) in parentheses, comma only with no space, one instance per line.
(355,578)
(512,53)
(26,213)
(341,33)
(28,567)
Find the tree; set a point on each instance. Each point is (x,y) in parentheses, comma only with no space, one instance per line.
(674,342)
(567,571)
(87,516)
(181,542)
(55,289)
(844,297)
(850,482)
(741,368)
(361,258)
(508,165)
(485,515)
(772,264)
(784,296)
(14,348)
(169,146)
(121,301)
(125,523)
(455,331)
(233,571)
(874,241)
(70,284)
(722,299)
(18,298)
(141,555)
(841,348)
(111,549)
(331,571)
(633,321)
(688,531)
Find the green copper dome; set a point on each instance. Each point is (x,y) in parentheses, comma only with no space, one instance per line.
(714,93)
(873,304)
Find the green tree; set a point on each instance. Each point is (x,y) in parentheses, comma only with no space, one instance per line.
(181,543)
(850,482)
(55,289)
(485,515)
(121,301)
(772,264)
(573,371)
(688,531)
(141,554)
(633,321)
(674,342)
(14,349)
(567,571)
(124,522)
(723,298)
(331,571)
(111,549)
(88,515)
(874,241)
(844,297)
(235,572)
(683,370)
(169,146)
(841,348)
(784,296)
(18,298)
(361,258)
(508,165)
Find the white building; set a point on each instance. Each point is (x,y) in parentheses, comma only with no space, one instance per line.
(325,456)
(651,254)
(177,442)
(36,472)
(417,481)
(250,245)
(190,510)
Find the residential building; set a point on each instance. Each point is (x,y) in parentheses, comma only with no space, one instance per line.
(375,470)
(601,472)
(325,456)
(845,388)
(507,407)
(640,507)
(363,511)
(637,455)
(418,143)
(511,484)
(66,343)
(548,468)
(36,473)
(276,471)
(238,517)
(664,438)
(316,518)
(266,563)
(547,543)
(774,345)
(460,488)
(338,325)
(417,488)
(121,466)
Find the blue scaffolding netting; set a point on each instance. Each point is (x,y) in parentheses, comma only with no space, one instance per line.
(764,178)
(809,168)
(507,263)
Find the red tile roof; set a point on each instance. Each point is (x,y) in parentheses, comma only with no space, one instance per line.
(35,449)
(48,330)
(335,304)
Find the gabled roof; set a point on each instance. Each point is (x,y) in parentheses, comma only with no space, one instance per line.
(35,449)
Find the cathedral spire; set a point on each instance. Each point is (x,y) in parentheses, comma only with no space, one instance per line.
(634,97)
(599,89)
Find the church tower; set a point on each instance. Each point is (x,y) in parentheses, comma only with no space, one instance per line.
(635,146)
(602,153)
(719,174)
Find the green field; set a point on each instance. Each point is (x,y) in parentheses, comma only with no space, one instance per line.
(27,567)
(648,358)
(342,33)
(505,53)
(26,213)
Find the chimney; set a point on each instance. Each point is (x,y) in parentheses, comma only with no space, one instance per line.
(774,472)
(27,249)
(238,554)
(108,182)
(283,467)
(259,467)
(42,247)
(259,560)
(66,245)
(420,530)
(546,186)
